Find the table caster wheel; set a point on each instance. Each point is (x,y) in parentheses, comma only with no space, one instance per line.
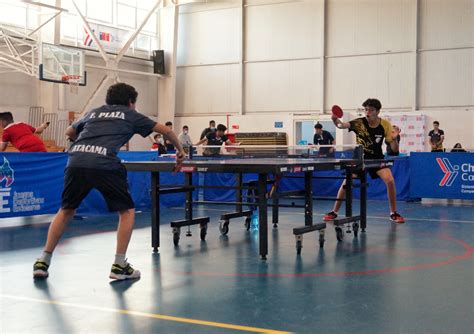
(355,229)
(339,234)
(321,240)
(248,220)
(299,245)
(176,233)
(203,232)
(224,227)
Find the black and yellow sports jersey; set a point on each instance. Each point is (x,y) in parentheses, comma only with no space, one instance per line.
(370,138)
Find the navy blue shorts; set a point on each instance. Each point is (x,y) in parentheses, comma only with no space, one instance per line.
(112,184)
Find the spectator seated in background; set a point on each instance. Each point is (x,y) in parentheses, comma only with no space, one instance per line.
(185,139)
(158,144)
(215,139)
(458,148)
(21,135)
(169,145)
(211,128)
(395,130)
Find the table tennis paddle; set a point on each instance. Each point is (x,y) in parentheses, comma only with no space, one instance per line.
(337,111)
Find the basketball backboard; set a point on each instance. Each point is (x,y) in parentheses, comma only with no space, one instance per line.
(62,64)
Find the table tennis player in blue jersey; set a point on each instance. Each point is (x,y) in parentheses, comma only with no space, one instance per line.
(93,163)
(371,131)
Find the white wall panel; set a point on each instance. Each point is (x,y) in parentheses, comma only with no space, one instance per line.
(18,89)
(283,31)
(209,37)
(282,86)
(369,26)
(208,90)
(446,24)
(446,78)
(351,80)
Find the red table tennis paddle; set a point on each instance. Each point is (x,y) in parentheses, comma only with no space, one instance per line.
(337,111)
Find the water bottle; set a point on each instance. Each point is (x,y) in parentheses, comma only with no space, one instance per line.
(254,221)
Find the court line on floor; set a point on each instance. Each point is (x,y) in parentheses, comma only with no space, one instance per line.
(376,217)
(468,253)
(149,315)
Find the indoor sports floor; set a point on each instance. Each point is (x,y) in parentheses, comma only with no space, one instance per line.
(411,278)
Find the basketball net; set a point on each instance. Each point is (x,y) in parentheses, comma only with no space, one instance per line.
(73,81)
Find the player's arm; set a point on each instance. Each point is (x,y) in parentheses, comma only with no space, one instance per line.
(172,138)
(202,141)
(3,146)
(391,135)
(41,128)
(71,133)
(228,142)
(441,139)
(340,124)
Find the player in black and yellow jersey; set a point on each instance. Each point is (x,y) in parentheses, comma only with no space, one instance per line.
(371,132)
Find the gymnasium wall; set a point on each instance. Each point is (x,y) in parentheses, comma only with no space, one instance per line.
(297,58)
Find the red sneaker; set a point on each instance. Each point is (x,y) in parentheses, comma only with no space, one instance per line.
(396,218)
(330,216)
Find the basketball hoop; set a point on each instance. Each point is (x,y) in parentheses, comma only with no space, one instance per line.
(73,81)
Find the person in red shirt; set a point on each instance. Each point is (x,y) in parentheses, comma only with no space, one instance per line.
(21,135)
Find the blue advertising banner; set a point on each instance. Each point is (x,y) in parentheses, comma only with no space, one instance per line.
(32,184)
(442,175)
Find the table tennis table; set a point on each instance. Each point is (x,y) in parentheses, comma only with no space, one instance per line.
(263,168)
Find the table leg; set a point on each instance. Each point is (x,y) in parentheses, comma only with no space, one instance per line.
(155,211)
(262,215)
(308,198)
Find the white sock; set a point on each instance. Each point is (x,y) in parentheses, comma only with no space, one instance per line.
(46,257)
(120,259)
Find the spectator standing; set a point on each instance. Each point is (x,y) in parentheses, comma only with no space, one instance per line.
(436,138)
(323,137)
(211,128)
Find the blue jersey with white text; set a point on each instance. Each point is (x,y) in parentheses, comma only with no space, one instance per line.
(102,132)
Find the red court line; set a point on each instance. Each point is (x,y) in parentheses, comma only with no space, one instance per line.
(469,251)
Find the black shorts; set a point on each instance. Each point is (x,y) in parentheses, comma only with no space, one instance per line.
(112,184)
(373,172)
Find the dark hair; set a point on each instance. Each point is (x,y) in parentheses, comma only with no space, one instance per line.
(212,121)
(121,94)
(374,103)
(6,116)
(457,145)
(185,127)
(168,123)
(318,126)
(221,127)
(436,122)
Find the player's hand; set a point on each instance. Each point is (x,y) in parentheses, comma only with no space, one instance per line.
(395,132)
(179,161)
(334,118)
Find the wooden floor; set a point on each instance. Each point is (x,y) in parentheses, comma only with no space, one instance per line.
(411,278)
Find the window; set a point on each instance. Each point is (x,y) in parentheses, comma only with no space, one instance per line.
(112,22)
(150,26)
(126,16)
(100,10)
(13,13)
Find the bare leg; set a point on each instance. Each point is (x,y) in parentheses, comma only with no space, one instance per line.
(124,230)
(57,228)
(341,194)
(387,177)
